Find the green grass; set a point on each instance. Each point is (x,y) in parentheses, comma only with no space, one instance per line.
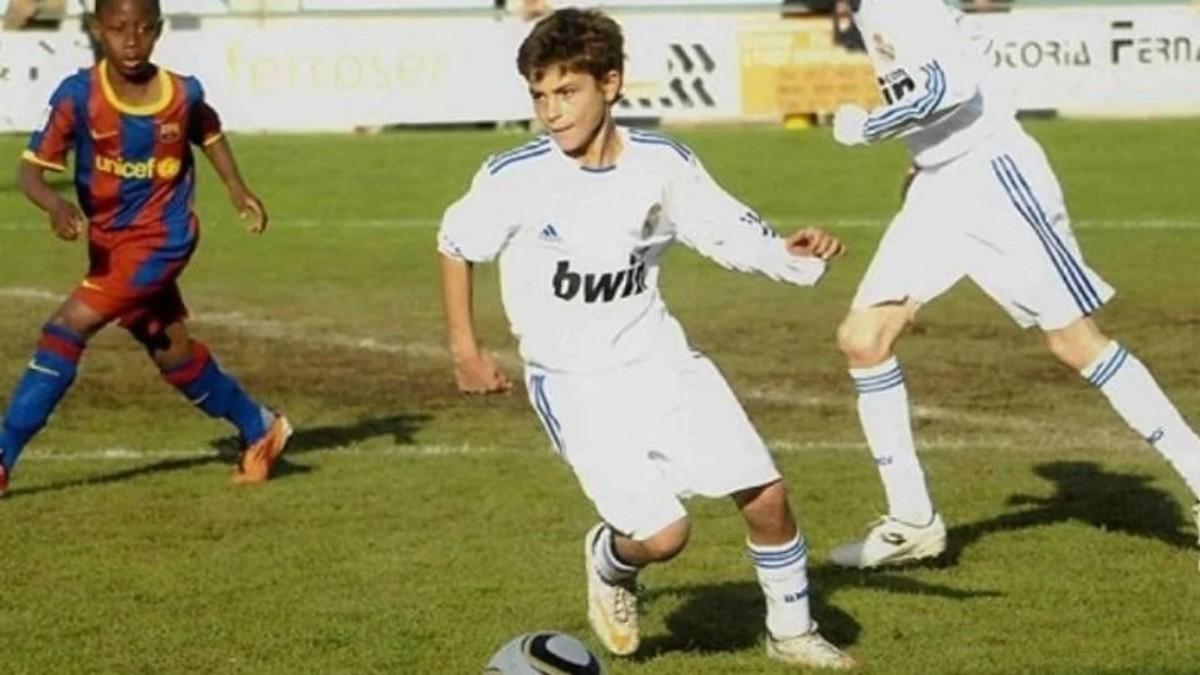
(414,530)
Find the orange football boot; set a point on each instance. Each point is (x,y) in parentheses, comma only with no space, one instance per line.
(254,464)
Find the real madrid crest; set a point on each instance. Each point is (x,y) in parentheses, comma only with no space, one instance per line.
(653,219)
(650,227)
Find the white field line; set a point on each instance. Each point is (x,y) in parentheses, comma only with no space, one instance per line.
(921,412)
(131,455)
(778,446)
(33,223)
(270,329)
(301,332)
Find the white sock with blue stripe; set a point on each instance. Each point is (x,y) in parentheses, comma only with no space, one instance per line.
(883,412)
(783,575)
(1137,398)
(604,556)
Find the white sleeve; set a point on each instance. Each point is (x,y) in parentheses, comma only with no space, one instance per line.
(477,226)
(718,226)
(933,72)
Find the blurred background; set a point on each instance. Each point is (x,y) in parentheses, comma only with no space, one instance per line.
(337,65)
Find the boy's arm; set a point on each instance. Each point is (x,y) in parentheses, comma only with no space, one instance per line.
(65,218)
(48,148)
(474,229)
(220,154)
(730,233)
(474,371)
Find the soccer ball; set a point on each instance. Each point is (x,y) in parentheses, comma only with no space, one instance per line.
(544,653)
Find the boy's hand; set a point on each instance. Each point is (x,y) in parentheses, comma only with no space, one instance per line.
(479,374)
(816,243)
(67,221)
(850,124)
(250,208)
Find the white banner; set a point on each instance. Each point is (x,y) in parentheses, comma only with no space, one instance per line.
(31,65)
(306,74)
(343,5)
(336,74)
(681,67)
(618,5)
(1099,61)
(315,74)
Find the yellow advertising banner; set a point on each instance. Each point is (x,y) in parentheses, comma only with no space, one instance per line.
(793,67)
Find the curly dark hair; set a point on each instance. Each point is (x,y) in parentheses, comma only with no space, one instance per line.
(102,5)
(577,40)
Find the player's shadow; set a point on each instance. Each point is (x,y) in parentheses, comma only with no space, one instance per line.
(728,617)
(400,427)
(1084,492)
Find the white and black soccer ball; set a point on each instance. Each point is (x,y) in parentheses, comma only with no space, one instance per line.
(544,653)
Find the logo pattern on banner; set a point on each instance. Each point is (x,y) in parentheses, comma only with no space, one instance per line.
(709,66)
(691,68)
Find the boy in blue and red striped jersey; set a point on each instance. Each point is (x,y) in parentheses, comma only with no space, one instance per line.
(131,125)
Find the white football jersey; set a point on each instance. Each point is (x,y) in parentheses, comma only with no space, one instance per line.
(933,79)
(579,249)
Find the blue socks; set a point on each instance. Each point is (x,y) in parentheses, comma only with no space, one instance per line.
(219,395)
(50,373)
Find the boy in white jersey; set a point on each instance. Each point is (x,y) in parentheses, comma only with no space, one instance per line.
(580,219)
(983,203)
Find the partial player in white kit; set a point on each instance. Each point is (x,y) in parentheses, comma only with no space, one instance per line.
(983,203)
(579,219)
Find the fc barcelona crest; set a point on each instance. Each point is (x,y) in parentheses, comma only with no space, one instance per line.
(170,132)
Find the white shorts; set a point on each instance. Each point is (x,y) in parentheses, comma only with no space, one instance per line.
(995,215)
(641,438)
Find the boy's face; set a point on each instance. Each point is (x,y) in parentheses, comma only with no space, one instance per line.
(572,105)
(127,31)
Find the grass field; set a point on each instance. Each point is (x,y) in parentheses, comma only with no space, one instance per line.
(413,530)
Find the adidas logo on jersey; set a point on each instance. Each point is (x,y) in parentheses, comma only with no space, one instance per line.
(602,287)
(550,233)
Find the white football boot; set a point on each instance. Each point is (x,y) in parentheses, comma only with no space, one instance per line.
(810,650)
(612,608)
(893,542)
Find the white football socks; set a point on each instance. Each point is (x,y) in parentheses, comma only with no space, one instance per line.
(883,412)
(604,556)
(783,575)
(1137,398)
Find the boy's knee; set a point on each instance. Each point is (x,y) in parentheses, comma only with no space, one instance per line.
(866,336)
(862,342)
(166,346)
(668,542)
(78,318)
(766,509)
(1077,345)
(774,498)
(175,353)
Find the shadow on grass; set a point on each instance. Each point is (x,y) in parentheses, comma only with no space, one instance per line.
(728,617)
(400,427)
(1086,493)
